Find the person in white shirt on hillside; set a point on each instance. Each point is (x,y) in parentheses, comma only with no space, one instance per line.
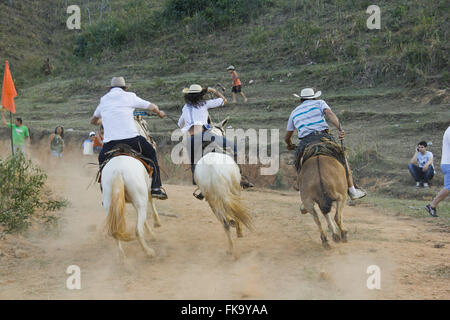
(421,165)
(445,167)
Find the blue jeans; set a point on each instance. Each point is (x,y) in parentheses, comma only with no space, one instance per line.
(419,175)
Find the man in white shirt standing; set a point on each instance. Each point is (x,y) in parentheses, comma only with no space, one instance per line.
(115,112)
(445,167)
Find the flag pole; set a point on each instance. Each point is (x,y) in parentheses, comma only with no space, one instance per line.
(11,123)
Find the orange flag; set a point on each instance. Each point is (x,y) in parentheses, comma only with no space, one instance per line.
(8,91)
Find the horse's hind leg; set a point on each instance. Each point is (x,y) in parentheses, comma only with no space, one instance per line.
(156,221)
(120,252)
(226,225)
(338,217)
(238,226)
(231,246)
(149,230)
(239,229)
(323,236)
(141,219)
(332,227)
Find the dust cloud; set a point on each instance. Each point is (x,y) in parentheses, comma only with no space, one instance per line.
(282,259)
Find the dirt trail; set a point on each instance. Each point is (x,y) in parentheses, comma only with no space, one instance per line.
(282,259)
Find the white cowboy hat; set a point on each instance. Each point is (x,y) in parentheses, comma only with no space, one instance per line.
(92,133)
(118,82)
(194,88)
(231,68)
(308,93)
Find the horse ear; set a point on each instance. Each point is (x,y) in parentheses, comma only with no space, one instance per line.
(224,122)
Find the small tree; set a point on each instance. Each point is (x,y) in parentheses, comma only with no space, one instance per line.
(23,194)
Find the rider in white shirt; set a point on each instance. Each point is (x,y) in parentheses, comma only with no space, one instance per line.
(115,112)
(194,122)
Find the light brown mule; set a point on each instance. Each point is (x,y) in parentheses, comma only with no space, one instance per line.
(322,180)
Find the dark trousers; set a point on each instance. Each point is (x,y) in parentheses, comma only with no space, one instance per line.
(419,175)
(313,137)
(140,145)
(211,142)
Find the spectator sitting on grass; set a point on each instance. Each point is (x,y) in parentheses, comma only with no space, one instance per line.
(421,166)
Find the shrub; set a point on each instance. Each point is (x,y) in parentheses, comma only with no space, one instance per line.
(23,194)
(215,14)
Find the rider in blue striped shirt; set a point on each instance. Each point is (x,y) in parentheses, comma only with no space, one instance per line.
(309,120)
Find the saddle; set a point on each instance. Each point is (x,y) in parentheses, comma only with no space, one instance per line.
(324,147)
(125,150)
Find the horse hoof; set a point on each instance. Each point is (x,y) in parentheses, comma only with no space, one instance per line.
(326,245)
(344,236)
(150,253)
(240,234)
(336,238)
(156,224)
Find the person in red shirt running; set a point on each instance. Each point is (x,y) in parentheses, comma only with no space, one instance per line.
(237,85)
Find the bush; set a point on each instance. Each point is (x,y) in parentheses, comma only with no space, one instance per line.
(214,14)
(23,194)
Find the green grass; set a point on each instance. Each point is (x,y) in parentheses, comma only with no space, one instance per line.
(413,208)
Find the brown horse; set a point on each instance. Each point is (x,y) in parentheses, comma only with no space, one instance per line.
(322,180)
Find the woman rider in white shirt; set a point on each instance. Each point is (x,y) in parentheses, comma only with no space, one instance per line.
(194,122)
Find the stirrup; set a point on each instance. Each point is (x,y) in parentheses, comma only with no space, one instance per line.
(245,183)
(199,196)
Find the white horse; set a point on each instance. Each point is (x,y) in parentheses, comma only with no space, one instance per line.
(125,180)
(218,178)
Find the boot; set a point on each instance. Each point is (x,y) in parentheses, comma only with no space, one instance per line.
(245,183)
(357,194)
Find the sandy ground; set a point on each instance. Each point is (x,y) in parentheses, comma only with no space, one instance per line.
(282,259)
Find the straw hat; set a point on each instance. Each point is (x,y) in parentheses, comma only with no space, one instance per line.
(118,82)
(308,93)
(194,88)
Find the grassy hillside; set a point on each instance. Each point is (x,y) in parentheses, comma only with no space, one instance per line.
(388,86)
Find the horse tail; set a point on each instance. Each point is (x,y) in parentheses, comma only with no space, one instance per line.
(116,222)
(325,201)
(224,195)
(221,188)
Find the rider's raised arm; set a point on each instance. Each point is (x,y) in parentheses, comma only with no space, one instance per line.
(218,94)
